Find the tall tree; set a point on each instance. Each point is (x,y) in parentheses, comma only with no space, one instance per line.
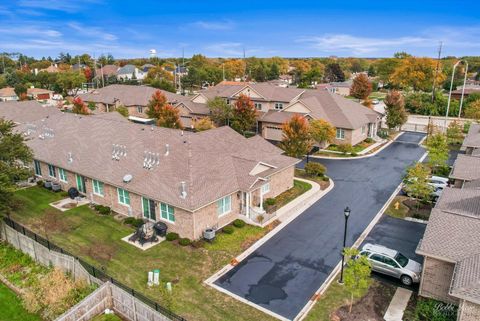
(473,110)
(296,140)
(220,111)
(416,182)
(21,91)
(395,109)
(155,104)
(244,114)
(165,114)
(437,147)
(361,87)
(334,73)
(322,132)
(14,155)
(416,73)
(204,123)
(71,81)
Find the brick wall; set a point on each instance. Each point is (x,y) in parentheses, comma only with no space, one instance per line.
(436,279)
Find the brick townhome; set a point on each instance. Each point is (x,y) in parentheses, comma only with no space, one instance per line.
(451,243)
(471,143)
(195,180)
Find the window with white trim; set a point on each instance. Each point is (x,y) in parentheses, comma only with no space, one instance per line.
(52,172)
(340,133)
(38,168)
(62,175)
(98,187)
(167,212)
(258,106)
(265,188)
(123,196)
(224,205)
(278,106)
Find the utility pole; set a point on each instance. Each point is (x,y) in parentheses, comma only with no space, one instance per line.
(436,71)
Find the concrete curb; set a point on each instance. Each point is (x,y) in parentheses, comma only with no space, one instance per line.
(304,312)
(361,156)
(301,205)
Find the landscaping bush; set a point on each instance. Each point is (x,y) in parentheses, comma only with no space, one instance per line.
(314,169)
(228,229)
(135,222)
(344,148)
(369,140)
(184,241)
(172,236)
(104,210)
(270,202)
(353,154)
(382,134)
(325,178)
(432,310)
(239,223)
(40,183)
(466,127)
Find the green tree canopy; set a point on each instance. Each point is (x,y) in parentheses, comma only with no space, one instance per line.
(220,111)
(322,131)
(395,109)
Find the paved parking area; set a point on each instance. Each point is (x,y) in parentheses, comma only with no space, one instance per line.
(283,274)
(400,235)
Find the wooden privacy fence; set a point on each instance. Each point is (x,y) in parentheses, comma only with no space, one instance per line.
(111,294)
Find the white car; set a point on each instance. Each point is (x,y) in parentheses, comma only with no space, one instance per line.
(437,181)
(375,101)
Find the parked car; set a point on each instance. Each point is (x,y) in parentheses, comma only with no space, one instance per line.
(436,193)
(393,263)
(437,181)
(375,101)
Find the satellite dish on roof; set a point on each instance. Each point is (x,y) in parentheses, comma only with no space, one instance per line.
(127,178)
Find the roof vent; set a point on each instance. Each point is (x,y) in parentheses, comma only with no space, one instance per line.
(118,151)
(167,149)
(69,157)
(183,193)
(127,178)
(150,159)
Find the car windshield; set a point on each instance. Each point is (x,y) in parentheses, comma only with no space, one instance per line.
(401,259)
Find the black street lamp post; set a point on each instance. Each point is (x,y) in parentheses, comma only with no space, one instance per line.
(346,213)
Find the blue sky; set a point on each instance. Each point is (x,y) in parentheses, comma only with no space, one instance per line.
(224,28)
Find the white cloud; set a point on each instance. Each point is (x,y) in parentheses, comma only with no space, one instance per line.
(39,31)
(230,49)
(58,5)
(92,32)
(215,25)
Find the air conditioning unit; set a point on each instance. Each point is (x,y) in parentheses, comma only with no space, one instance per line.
(209,234)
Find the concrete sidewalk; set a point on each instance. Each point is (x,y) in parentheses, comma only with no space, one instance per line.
(398,305)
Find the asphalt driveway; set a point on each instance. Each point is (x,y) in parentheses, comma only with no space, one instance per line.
(284,273)
(400,235)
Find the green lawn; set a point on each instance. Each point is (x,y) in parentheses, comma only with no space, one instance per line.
(399,210)
(286,197)
(97,239)
(11,308)
(106,317)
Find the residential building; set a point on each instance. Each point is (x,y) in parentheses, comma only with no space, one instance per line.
(129,72)
(135,98)
(466,170)
(23,112)
(106,71)
(8,94)
(340,88)
(189,181)
(457,94)
(471,143)
(276,105)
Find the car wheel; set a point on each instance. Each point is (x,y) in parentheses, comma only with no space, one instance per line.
(406,280)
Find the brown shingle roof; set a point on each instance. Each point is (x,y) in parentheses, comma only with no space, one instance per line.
(466,168)
(107,70)
(206,161)
(26,111)
(128,95)
(466,279)
(473,137)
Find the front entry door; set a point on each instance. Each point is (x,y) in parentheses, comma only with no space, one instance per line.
(149,209)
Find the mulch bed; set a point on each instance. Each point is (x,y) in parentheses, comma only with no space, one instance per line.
(423,211)
(371,307)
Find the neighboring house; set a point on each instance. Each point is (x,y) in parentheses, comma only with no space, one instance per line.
(8,94)
(23,112)
(466,169)
(78,66)
(457,94)
(146,67)
(451,248)
(276,105)
(106,71)
(471,143)
(189,181)
(129,72)
(135,98)
(340,88)
(51,69)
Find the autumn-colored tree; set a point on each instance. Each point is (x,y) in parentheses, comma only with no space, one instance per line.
(88,73)
(437,147)
(416,182)
(367,103)
(361,87)
(244,114)
(169,117)
(473,110)
(158,73)
(234,68)
(322,132)
(155,104)
(204,123)
(21,91)
(395,109)
(79,107)
(416,73)
(454,133)
(296,140)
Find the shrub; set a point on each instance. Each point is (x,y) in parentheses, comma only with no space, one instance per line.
(260,218)
(325,178)
(344,148)
(135,222)
(228,229)
(353,154)
(429,309)
(184,241)
(105,210)
(198,244)
(172,236)
(466,127)
(382,134)
(369,140)
(238,223)
(314,169)
(40,183)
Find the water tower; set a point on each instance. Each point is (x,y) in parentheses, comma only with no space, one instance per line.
(153,53)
